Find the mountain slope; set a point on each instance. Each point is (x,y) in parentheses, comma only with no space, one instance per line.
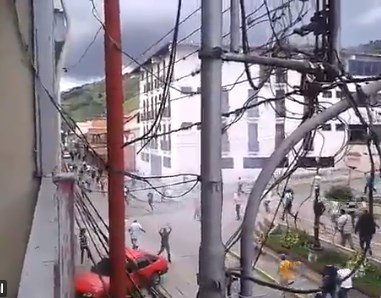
(88,101)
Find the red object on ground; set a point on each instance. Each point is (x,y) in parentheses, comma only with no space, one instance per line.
(142,270)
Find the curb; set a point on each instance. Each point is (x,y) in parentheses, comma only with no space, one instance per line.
(264,273)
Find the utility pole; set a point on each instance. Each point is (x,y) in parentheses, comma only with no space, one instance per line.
(211,277)
(234,26)
(271,165)
(114,104)
(317,207)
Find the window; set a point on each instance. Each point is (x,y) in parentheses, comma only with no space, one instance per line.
(252,135)
(279,134)
(364,68)
(167,109)
(280,104)
(308,142)
(186,125)
(156,106)
(166,162)
(131,267)
(142,263)
(225,101)
(340,127)
(326,127)
(339,94)
(327,94)
(281,75)
(225,143)
(186,90)
(357,134)
(253,97)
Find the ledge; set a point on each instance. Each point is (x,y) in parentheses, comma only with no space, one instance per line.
(37,277)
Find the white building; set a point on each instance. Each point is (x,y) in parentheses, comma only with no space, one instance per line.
(247,143)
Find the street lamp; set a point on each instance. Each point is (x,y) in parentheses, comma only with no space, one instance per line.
(318,210)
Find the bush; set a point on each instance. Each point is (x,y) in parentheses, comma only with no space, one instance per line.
(340,193)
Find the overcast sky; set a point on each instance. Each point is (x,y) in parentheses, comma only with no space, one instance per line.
(145,21)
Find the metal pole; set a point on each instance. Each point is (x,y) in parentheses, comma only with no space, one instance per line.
(317,211)
(334,32)
(234,26)
(114,104)
(267,172)
(211,276)
(298,65)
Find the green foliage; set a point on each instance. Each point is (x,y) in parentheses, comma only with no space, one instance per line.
(340,193)
(365,268)
(88,101)
(294,238)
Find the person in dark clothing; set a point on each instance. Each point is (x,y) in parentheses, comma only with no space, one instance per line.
(72,156)
(150,200)
(329,281)
(369,184)
(239,186)
(83,245)
(164,245)
(365,227)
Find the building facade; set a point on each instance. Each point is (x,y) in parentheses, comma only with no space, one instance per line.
(131,132)
(251,137)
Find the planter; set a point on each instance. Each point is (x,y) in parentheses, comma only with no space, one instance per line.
(368,282)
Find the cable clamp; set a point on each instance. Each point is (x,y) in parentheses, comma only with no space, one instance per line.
(210,53)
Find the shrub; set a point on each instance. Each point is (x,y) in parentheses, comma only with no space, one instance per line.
(340,193)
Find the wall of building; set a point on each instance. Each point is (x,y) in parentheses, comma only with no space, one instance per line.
(238,159)
(18,187)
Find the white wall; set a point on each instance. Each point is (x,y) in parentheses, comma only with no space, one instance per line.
(186,144)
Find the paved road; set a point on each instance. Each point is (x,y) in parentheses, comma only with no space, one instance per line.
(185,238)
(181,280)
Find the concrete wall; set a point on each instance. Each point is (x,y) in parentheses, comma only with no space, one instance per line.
(17,185)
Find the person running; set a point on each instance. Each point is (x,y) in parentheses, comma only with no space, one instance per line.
(287,200)
(150,201)
(237,200)
(239,186)
(345,227)
(164,244)
(135,231)
(287,272)
(365,228)
(83,245)
(369,184)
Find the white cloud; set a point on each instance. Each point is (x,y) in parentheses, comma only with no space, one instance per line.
(370,17)
(68,83)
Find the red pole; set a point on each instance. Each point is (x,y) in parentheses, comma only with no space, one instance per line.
(114,104)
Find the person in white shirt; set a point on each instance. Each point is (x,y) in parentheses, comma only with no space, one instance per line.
(135,231)
(346,285)
(237,200)
(345,227)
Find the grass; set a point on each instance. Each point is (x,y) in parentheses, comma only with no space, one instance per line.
(88,101)
(370,284)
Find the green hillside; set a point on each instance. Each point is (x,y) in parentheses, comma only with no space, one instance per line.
(88,101)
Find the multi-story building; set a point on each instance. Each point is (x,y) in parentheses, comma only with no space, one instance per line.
(249,142)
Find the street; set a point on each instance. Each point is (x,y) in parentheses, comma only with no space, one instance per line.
(185,238)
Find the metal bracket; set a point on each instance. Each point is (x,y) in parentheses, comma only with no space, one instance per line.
(211,53)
